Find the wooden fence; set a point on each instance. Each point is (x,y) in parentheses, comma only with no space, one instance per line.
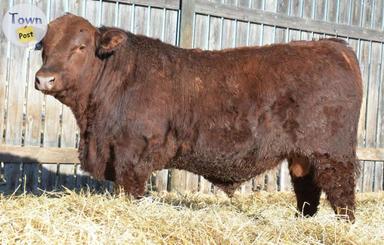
(39,135)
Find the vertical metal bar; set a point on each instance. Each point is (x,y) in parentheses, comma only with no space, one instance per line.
(49,10)
(221,33)
(362,12)
(350,12)
(248,33)
(337,11)
(133,7)
(234,42)
(301,8)
(367,92)
(382,20)
(274,27)
(163,25)
(193,30)
(302,16)
(66,6)
(373,6)
(289,7)
(83,7)
(148,27)
(380,94)
(117,14)
(261,41)
(313,15)
(248,25)
(288,33)
(314,8)
(208,32)
(325,18)
(100,13)
(178,27)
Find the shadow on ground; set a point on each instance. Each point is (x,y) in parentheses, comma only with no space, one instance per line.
(26,175)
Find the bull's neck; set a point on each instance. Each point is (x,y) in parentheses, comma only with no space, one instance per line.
(79,99)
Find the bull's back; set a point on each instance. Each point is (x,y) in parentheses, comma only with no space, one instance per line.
(302,96)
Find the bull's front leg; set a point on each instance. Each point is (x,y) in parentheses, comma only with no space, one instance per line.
(131,172)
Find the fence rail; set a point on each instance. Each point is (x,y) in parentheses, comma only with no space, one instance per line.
(39,129)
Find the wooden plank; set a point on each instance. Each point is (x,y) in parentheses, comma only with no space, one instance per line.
(371,112)
(186,25)
(161,181)
(171,26)
(192,182)
(125,16)
(247,187)
(109,14)
(379,177)
(157,30)
(255,38)
(379,15)
(206,36)
(371,154)
(181,180)
(69,129)
(33,125)
(259,182)
(92,12)
(4,59)
(169,30)
(268,38)
(33,154)
(3,85)
(205,185)
(243,36)
(284,177)
(52,112)
(17,70)
(281,20)
(169,4)
(141,20)
(356,13)
(368,176)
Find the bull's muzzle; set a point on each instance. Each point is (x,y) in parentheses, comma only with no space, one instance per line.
(44,82)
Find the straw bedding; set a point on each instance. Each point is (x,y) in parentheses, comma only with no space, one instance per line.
(170,218)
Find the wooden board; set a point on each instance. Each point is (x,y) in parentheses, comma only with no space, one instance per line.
(270,18)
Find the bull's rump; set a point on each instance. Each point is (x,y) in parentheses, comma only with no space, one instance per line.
(276,100)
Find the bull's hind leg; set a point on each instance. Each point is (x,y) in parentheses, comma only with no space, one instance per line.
(306,190)
(337,179)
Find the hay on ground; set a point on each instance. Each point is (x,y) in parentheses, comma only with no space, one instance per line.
(169,218)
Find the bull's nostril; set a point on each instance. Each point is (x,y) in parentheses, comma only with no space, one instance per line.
(44,82)
(37,80)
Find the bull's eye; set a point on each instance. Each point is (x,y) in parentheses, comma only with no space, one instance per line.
(38,46)
(82,47)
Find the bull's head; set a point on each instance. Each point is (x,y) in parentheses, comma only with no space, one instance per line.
(73,50)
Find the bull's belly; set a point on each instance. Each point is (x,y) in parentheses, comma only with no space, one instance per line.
(224,169)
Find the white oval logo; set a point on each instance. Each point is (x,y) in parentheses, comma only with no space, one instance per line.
(24,24)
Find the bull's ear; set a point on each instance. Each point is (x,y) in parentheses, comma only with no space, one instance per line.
(109,41)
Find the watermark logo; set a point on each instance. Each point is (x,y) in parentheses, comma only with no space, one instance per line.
(24,24)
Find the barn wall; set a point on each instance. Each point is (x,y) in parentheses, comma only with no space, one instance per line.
(28,118)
